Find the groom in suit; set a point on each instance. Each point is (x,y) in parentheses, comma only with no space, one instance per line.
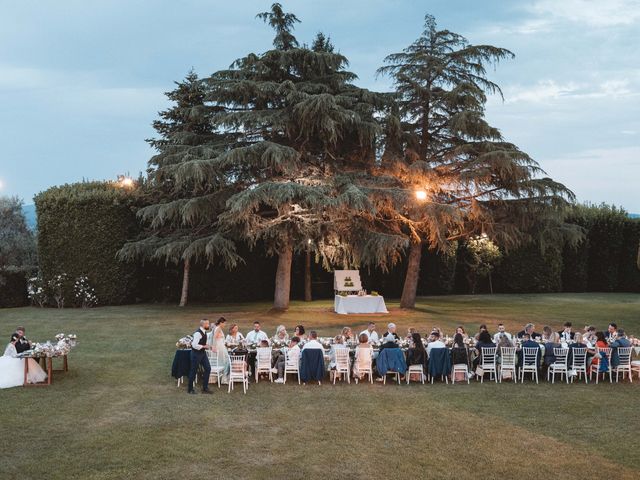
(199,357)
(22,345)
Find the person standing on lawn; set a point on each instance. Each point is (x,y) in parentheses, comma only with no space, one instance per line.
(199,357)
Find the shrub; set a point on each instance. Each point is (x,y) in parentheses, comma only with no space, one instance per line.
(531,269)
(80,229)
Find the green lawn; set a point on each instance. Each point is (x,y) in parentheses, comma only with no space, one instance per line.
(117,413)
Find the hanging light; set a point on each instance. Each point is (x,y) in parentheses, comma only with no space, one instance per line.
(421,195)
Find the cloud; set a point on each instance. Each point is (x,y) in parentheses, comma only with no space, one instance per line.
(600,175)
(594,13)
(552,91)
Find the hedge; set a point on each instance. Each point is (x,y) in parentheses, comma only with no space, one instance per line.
(80,228)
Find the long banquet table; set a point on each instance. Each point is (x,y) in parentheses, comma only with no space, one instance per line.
(359,304)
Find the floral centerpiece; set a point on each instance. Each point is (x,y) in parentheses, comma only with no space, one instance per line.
(62,346)
(184,342)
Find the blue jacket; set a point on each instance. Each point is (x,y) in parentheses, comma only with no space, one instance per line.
(620,342)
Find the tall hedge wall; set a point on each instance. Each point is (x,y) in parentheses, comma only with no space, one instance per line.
(80,228)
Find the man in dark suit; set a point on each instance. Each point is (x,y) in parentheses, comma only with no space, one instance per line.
(22,345)
(529,329)
(527,342)
(612,332)
(566,335)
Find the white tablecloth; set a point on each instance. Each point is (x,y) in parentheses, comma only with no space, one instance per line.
(356,304)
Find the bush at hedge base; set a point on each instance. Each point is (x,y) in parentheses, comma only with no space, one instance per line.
(80,228)
(13,289)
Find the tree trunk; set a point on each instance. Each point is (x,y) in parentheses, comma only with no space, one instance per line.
(185,283)
(307,277)
(408,299)
(283,279)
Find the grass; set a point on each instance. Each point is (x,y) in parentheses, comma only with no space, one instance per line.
(117,413)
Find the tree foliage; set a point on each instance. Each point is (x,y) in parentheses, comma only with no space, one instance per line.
(438,142)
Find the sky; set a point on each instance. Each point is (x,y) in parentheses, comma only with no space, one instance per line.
(81,82)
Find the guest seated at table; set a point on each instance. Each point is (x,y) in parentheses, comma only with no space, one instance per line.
(484,341)
(459,352)
(371,333)
(299,332)
(256,335)
(410,332)
(527,342)
(391,330)
(483,328)
(612,333)
(338,342)
(502,332)
(552,342)
(313,341)
(389,341)
(363,356)
(589,337)
(547,333)
(281,336)
(529,329)
(460,330)
(436,343)
(234,337)
(620,341)
(292,358)
(416,354)
(566,334)
(577,343)
(502,341)
(601,342)
(347,335)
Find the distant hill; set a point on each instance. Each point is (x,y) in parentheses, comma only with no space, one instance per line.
(30,214)
(634,215)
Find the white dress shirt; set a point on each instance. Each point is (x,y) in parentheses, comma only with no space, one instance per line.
(372,336)
(313,344)
(257,337)
(435,344)
(196,339)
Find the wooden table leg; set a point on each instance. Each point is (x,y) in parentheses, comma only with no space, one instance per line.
(66,365)
(26,371)
(49,370)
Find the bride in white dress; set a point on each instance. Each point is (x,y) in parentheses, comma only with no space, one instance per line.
(220,350)
(12,368)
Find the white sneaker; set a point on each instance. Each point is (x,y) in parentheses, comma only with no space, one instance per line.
(279,380)
(274,370)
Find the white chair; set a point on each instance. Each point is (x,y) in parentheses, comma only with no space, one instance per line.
(508,363)
(363,369)
(238,372)
(579,363)
(416,370)
(488,363)
(459,368)
(635,367)
(624,356)
(291,365)
(217,370)
(529,362)
(263,362)
(342,364)
(560,365)
(391,372)
(595,368)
